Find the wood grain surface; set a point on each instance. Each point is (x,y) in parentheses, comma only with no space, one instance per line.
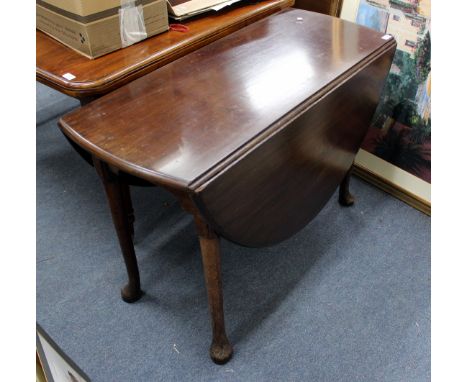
(284,181)
(190,119)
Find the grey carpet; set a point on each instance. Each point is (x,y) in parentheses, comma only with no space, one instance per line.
(346,299)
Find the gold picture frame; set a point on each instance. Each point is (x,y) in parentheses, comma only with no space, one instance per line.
(386,176)
(52,364)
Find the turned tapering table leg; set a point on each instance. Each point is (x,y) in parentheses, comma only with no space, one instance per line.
(127,203)
(345,197)
(220,350)
(118,198)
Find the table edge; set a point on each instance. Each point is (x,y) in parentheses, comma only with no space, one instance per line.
(199,183)
(202,180)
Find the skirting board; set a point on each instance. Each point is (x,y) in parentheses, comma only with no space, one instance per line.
(397,182)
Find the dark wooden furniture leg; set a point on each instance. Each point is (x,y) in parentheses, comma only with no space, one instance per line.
(345,197)
(85,100)
(117,197)
(220,350)
(123,183)
(127,204)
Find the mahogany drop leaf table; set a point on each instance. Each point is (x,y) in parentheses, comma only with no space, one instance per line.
(252,133)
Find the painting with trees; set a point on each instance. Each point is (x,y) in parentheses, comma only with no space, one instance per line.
(400,132)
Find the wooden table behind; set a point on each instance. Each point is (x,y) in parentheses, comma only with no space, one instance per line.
(94,78)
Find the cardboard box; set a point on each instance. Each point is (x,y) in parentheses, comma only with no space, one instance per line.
(96,27)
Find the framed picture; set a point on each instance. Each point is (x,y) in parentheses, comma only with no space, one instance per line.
(56,365)
(396,153)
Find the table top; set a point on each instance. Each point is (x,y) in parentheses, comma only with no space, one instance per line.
(101,75)
(191,118)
